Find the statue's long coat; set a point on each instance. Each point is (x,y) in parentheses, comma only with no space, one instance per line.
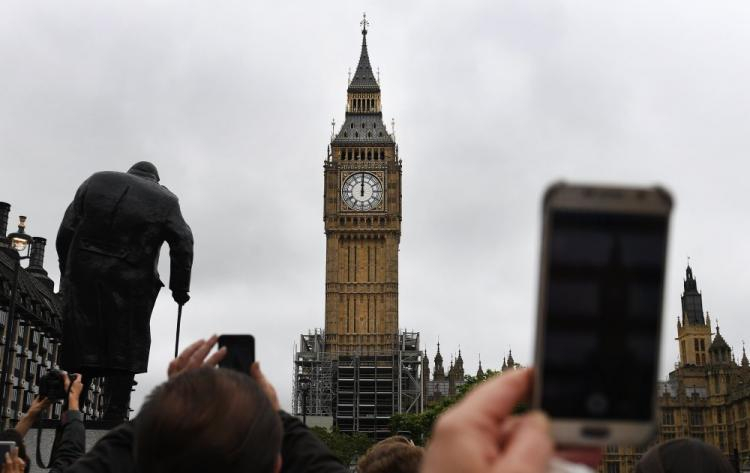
(108,245)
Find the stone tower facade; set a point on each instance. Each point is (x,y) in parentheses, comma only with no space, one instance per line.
(362,215)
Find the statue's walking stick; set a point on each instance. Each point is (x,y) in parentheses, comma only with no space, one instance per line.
(177,339)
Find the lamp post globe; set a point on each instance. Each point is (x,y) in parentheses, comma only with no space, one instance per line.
(20,243)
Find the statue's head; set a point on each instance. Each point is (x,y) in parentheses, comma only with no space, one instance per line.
(144,169)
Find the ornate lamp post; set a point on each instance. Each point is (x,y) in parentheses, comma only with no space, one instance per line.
(20,246)
(304,386)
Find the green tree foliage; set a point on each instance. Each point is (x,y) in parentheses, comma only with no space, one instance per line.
(420,425)
(346,447)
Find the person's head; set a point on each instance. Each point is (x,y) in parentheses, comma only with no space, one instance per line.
(208,420)
(395,454)
(144,169)
(15,436)
(684,456)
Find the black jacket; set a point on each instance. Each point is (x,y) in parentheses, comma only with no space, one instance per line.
(301,452)
(72,443)
(108,244)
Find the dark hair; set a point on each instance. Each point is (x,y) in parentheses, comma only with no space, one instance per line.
(395,454)
(15,436)
(207,420)
(684,456)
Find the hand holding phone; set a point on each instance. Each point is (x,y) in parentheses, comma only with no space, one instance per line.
(194,356)
(600,309)
(5,447)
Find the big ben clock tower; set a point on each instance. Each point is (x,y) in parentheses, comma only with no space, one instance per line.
(362,215)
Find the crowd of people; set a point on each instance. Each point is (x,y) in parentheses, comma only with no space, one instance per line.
(208,419)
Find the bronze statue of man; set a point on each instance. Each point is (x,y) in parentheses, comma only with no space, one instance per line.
(108,245)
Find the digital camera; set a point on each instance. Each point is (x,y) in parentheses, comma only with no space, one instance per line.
(52,385)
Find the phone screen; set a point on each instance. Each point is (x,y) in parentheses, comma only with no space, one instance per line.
(240,352)
(605,277)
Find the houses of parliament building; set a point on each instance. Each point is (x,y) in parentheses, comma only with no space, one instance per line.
(706,396)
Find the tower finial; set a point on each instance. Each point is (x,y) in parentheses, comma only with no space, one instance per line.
(333,127)
(349,77)
(364,23)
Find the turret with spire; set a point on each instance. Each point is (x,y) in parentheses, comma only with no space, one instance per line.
(719,351)
(452,378)
(459,368)
(508,363)
(439,372)
(694,329)
(364,80)
(480,371)
(364,116)
(692,300)
(425,374)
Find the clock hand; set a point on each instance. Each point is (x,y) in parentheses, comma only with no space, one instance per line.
(362,188)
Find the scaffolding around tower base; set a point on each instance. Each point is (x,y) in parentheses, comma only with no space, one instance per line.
(356,391)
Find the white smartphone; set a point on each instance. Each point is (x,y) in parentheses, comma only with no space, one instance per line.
(599,315)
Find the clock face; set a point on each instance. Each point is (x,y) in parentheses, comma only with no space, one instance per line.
(362,191)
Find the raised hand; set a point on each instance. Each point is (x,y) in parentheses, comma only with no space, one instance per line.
(479,434)
(194,356)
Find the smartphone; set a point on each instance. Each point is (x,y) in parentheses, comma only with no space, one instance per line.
(240,352)
(5,447)
(599,314)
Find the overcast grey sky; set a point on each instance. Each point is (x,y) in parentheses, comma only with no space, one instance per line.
(233,101)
